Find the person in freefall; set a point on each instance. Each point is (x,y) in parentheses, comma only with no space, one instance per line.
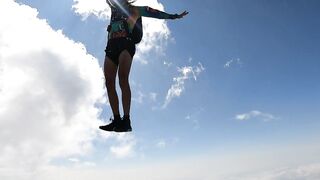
(124,31)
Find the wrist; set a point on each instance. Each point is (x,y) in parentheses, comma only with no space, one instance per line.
(173,16)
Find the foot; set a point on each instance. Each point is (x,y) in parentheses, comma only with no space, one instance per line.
(112,126)
(125,125)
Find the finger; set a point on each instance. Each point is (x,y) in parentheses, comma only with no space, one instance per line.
(182,14)
(185,13)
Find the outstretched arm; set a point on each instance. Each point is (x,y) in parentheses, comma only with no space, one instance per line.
(154,13)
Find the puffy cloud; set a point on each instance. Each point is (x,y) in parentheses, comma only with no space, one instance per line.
(85,8)
(185,73)
(255,114)
(156,33)
(126,146)
(49,90)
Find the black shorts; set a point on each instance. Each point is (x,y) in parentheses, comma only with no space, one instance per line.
(116,46)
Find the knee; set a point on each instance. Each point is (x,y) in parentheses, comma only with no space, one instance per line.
(124,83)
(110,83)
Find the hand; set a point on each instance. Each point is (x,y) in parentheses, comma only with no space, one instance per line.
(179,16)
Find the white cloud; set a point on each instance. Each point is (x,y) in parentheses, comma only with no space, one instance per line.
(231,62)
(255,114)
(141,97)
(81,164)
(126,146)
(85,8)
(74,160)
(156,33)
(167,64)
(186,73)
(302,172)
(122,151)
(277,163)
(48,92)
(163,143)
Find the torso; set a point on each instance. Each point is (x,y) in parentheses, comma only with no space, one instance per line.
(131,19)
(134,15)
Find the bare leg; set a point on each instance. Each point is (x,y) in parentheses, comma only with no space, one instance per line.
(125,61)
(110,72)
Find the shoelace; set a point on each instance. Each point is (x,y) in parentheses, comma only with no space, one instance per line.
(112,120)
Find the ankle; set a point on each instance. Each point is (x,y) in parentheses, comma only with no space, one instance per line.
(126,117)
(117,117)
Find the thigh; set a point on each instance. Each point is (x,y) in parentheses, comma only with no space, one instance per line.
(125,61)
(110,69)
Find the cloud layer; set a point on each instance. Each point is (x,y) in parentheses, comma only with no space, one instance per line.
(266,164)
(302,172)
(48,92)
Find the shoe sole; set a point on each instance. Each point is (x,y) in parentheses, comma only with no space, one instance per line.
(106,129)
(128,130)
(115,130)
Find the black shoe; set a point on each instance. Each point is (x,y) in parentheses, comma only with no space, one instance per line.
(124,126)
(111,127)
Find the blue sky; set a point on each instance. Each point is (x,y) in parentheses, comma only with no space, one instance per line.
(258,89)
